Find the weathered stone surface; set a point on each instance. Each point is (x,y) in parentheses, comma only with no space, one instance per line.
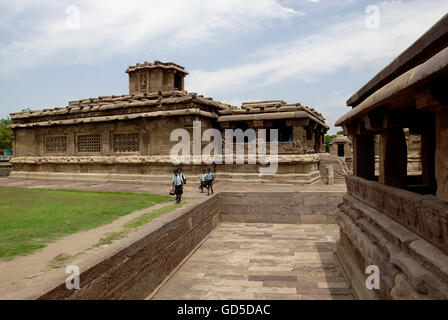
(442,156)
(410,267)
(280,207)
(5,170)
(272,267)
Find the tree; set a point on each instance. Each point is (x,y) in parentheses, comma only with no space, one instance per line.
(328,139)
(5,134)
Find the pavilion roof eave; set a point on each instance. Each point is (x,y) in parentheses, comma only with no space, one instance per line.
(433,41)
(410,79)
(271,116)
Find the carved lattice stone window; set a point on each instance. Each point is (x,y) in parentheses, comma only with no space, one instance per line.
(90,143)
(56,144)
(126,142)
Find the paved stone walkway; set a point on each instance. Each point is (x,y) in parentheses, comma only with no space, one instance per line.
(261,261)
(191,188)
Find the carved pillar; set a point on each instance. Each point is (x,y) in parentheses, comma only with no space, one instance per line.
(299,137)
(442,155)
(309,140)
(393,158)
(364,156)
(427,151)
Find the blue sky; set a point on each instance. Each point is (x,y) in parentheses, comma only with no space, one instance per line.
(315,52)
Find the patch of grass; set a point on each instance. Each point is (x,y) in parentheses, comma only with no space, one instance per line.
(135,223)
(148,217)
(4,163)
(111,236)
(31,218)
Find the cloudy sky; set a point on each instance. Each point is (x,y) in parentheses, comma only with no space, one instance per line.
(316,52)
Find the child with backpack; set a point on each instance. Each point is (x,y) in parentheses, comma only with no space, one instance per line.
(203,183)
(210,177)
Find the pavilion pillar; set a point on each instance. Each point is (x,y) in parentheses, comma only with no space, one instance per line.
(441,156)
(364,156)
(393,158)
(428,150)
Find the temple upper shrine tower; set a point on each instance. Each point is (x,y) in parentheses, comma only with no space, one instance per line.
(151,77)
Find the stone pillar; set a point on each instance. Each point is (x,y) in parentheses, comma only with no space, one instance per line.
(155,81)
(106,142)
(364,156)
(330,175)
(299,137)
(442,155)
(310,140)
(393,158)
(428,150)
(168,81)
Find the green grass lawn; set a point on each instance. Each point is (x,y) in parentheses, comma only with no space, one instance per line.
(5,163)
(31,218)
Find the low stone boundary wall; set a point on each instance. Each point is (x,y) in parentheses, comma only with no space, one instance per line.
(5,170)
(136,270)
(280,207)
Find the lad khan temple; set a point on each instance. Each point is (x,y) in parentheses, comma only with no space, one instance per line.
(389,200)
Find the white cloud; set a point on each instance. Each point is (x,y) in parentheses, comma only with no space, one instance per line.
(348,44)
(114,26)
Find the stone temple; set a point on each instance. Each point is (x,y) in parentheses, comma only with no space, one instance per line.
(127,137)
(396,217)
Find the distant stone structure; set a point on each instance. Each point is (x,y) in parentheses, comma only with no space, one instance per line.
(127,138)
(398,221)
(341,146)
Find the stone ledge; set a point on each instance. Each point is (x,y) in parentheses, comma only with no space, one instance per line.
(288,159)
(426,215)
(375,239)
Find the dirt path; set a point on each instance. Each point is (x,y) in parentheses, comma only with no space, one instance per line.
(14,272)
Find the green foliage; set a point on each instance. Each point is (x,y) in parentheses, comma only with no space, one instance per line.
(5,134)
(328,139)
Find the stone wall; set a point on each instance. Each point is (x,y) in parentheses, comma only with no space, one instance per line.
(35,158)
(280,207)
(5,170)
(136,270)
(403,233)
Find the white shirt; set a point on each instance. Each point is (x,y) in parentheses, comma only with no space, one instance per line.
(177,180)
(204,177)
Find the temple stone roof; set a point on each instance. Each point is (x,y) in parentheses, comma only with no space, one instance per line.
(157,64)
(149,105)
(105,103)
(274,106)
(339,138)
